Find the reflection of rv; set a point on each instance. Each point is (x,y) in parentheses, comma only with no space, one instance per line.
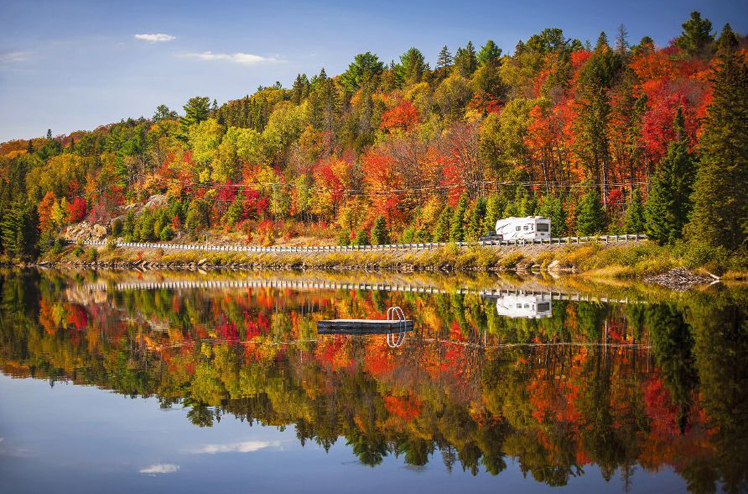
(524,305)
(527,228)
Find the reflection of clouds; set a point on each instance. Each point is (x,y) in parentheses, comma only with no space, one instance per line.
(20,453)
(160,468)
(242,447)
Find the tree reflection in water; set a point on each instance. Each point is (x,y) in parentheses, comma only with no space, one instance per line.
(620,386)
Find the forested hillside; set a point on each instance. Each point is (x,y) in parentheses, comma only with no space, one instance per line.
(615,137)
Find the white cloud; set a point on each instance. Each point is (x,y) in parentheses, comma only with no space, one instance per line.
(239,57)
(13,56)
(160,468)
(243,447)
(155,38)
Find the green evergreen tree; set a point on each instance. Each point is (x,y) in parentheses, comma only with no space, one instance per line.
(164,113)
(489,54)
(527,204)
(477,215)
(362,237)
(361,71)
(344,237)
(198,217)
(511,209)
(196,110)
(635,221)
(720,216)
(591,217)
(669,203)
(494,210)
(441,232)
(166,233)
(466,61)
(553,209)
(457,226)
(413,65)
(445,58)
(696,36)
(19,229)
(379,235)
(128,229)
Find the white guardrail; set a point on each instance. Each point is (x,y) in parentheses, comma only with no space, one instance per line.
(353,248)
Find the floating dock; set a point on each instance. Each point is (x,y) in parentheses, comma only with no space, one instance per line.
(363,326)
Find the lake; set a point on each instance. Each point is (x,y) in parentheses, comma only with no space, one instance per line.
(218,382)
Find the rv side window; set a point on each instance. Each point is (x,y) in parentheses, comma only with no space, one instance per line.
(519,228)
(525,227)
(543,227)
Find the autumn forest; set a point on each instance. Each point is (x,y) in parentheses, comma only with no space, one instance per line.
(611,137)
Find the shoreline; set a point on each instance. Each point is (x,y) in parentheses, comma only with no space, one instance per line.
(638,261)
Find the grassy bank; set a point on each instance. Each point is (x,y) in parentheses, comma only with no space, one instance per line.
(630,260)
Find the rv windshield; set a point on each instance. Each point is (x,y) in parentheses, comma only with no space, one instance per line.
(543,227)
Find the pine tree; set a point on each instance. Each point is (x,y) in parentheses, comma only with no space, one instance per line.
(489,54)
(602,41)
(494,209)
(466,61)
(457,227)
(362,237)
(196,110)
(720,216)
(441,232)
(445,58)
(379,235)
(590,215)
(49,134)
(553,209)
(669,202)
(477,215)
(696,36)
(635,221)
(413,65)
(527,204)
(19,229)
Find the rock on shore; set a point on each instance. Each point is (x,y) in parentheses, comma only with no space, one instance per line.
(680,279)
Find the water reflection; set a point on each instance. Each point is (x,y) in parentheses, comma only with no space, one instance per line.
(528,306)
(480,382)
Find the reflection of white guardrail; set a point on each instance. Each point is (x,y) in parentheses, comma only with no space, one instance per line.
(355,248)
(329,285)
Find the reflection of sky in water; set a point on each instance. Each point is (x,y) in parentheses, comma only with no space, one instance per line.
(82,439)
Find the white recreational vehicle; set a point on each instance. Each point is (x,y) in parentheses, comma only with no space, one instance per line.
(524,306)
(527,228)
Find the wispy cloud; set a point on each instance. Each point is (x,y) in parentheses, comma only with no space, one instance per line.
(239,57)
(242,447)
(159,468)
(155,38)
(13,56)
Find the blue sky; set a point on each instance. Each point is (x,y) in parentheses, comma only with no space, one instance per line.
(70,65)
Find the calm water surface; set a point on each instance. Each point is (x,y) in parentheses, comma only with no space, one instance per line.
(143,382)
